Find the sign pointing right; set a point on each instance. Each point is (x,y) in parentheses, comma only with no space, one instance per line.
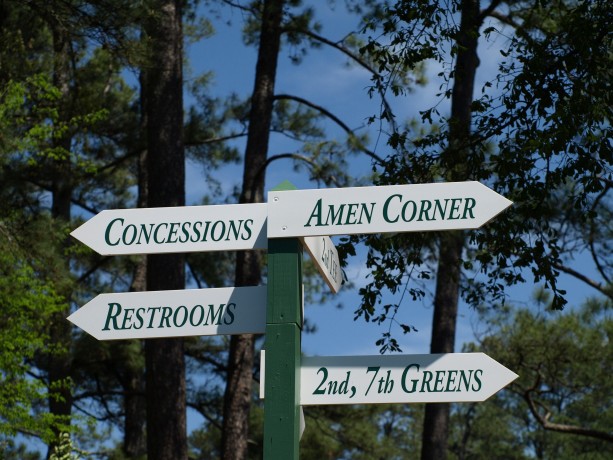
(450,377)
(382,209)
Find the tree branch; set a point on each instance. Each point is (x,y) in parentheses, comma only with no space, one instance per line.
(100,262)
(196,143)
(361,62)
(208,359)
(543,420)
(200,409)
(334,118)
(243,8)
(580,276)
(490,10)
(592,243)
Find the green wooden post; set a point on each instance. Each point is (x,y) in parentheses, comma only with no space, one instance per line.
(282,365)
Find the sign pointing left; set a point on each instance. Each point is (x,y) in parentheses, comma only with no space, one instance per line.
(180,313)
(231,227)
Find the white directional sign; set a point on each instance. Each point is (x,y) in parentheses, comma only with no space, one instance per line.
(383,209)
(180,229)
(180,313)
(452,377)
(324,254)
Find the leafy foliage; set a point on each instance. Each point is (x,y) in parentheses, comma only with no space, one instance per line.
(560,404)
(541,137)
(361,432)
(27,302)
(64,449)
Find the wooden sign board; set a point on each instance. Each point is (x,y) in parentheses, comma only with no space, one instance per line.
(382,379)
(230,227)
(383,209)
(177,313)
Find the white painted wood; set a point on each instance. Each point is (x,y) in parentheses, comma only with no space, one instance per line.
(382,209)
(178,313)
(176,229)
(379,379)
(262,372)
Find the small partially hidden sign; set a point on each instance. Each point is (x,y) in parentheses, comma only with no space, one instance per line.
(452,377)
(324,254)
(179,313)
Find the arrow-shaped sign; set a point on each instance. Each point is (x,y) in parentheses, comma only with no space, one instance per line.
(180,313)
(324,254)
(452,377)
(382,209)
(229,227)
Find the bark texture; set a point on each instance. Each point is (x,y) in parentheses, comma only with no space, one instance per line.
(135,406)
(237,398)
(165,362)
(447,294)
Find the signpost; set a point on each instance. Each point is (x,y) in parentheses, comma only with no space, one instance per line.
(452,377)
(231,227)
(180,313)
(283,345)
(383,209)
(290,220)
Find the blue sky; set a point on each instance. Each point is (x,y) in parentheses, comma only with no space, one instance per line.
(325,78)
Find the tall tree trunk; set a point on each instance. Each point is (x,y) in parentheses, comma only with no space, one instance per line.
(134,440)
(447,294)
(165,361)
(436,417)
(237,397)
(60,360)
(135,406)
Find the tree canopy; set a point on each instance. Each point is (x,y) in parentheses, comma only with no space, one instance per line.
(114,104)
